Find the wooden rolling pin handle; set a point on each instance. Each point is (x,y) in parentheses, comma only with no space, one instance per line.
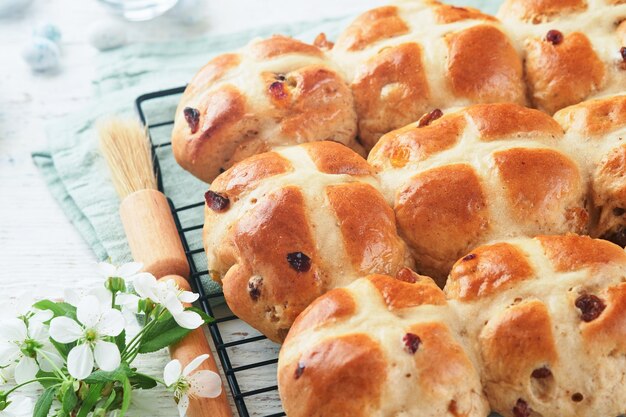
(192,346)
(152,234)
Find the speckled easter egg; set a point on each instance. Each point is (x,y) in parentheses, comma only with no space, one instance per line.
(49,31)
(42,54)
(106,35)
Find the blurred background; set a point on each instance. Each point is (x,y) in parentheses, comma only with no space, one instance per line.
(36,238)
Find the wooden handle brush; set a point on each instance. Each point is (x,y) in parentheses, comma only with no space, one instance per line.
(152,234)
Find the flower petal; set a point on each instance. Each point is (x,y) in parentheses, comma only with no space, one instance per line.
(106,269)
(111,323)
(26,370)
(50,355)
(13,330)
(41,316)
(107,355)
(129,302)
(19,406)
(104,296)
(80,361)
(173,304)
(188,296)
(191,366)
(71,296)
(188,319)
(171,372)
(88,311)
(144,285)
(37,330)
(206,384)
(129,269)
(183,405)
(9,352)
(65,330)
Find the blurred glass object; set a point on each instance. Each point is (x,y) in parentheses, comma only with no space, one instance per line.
(138,10)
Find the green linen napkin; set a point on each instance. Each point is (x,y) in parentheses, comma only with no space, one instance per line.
(76,173)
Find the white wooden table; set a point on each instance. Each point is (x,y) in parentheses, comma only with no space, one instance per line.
(40,252)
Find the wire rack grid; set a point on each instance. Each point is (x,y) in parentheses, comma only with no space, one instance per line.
(248,359)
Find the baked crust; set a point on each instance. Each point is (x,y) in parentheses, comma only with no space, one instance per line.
(276,91)
(594,133)
(397,351)
(547,318)
(298,222)
(571,48)
(485,172)
(470,59)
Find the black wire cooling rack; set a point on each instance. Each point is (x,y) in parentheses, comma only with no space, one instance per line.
(248,359)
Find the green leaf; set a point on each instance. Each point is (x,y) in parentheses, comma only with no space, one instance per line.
(59,309)
(46,383)
(164,333)
(92,397)
(42,407)
(62,348)
(128,391)
(142,381)
(69,401)
(109,400)
(120,341)
(122,372)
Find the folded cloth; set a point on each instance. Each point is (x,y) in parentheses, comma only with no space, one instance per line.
(76,173)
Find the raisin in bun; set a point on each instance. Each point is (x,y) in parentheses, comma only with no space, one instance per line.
(595,132)
(547,317)
(276,91)
(572,49)
(284,227)
(406,59)
(380,347)
(489,171)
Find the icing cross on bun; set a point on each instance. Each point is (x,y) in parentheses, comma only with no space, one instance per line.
(547,317)
(489,171)
(572,49)
(275,91)
(527,327)
(380,347)
(284,227)
(408,58)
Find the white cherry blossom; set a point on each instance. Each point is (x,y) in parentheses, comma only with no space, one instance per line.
(95,323)
(28,346)
(171,297)
(127,271)
(189,384)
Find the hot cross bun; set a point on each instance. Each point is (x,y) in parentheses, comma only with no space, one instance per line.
(406,59)
(380,347)
(595,134)
(276,91)
(572,49)
(284,227)
(546,317)
(489,171)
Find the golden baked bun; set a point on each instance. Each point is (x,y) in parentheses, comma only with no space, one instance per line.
(380,347)
(595,133)
(284,227)
(547,316)
(572,49)
(409,58)
(489,171)
(276,91)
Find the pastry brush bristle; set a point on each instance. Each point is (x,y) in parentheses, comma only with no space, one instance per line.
(126,148)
